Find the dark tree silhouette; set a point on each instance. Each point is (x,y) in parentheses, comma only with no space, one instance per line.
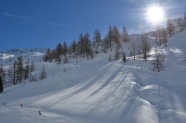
(1,85)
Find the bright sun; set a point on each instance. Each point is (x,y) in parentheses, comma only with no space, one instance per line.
(155,14)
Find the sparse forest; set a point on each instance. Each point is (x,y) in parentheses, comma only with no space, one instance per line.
(115,42)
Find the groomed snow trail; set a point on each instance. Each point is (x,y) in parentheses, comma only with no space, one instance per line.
(109,94)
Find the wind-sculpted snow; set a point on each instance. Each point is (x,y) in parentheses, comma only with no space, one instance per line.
(153,93)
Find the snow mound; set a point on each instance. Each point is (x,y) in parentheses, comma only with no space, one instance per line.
(153,93)
(172,116)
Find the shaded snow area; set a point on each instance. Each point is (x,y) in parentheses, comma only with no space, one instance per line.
(98,91)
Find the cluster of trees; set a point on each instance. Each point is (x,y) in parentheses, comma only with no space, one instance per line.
(19,72)
(87,48)
(173,25)
(82,48)
(114,40)
(176,24)
(56,53)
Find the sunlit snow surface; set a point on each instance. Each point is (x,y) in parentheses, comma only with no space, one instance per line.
(5,56)
(98,91)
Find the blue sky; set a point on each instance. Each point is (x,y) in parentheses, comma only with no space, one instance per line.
(44,23)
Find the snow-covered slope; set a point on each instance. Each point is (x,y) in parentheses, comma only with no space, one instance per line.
(98,91)
(9,56)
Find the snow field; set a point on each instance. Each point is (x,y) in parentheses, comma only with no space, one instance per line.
(98,91)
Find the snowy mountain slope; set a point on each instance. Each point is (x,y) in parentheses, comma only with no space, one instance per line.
(32,55)
(103,92)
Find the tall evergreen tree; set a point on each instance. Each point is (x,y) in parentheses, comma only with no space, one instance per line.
(124,57)
(32,67)
(65,48)
(48,56)
(125,35)
(9,74)
(80,44)
(20,69)
(110,37)
(116,53)
(97,40)
(116,35)
(145,45)
(3,74)
(12,73)
(59,51)
(74,46)
(1,85)
(26,71)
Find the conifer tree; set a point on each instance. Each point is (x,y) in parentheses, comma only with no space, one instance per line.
(26,71)
(15,73)
(110,37)
(48,56)
(97,39)
(116,53)
(20,69)
(12,73)
(65,48)
(87,45)
(125,35)
(116,35)
(145,45)
(74,46)
(105,44)
(124,57)
(59,51)
(3,74)
(1,85)
(32,67)
(80,44)
(77,51)
(9,74)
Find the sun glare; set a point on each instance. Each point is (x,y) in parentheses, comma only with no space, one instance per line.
(155,14)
